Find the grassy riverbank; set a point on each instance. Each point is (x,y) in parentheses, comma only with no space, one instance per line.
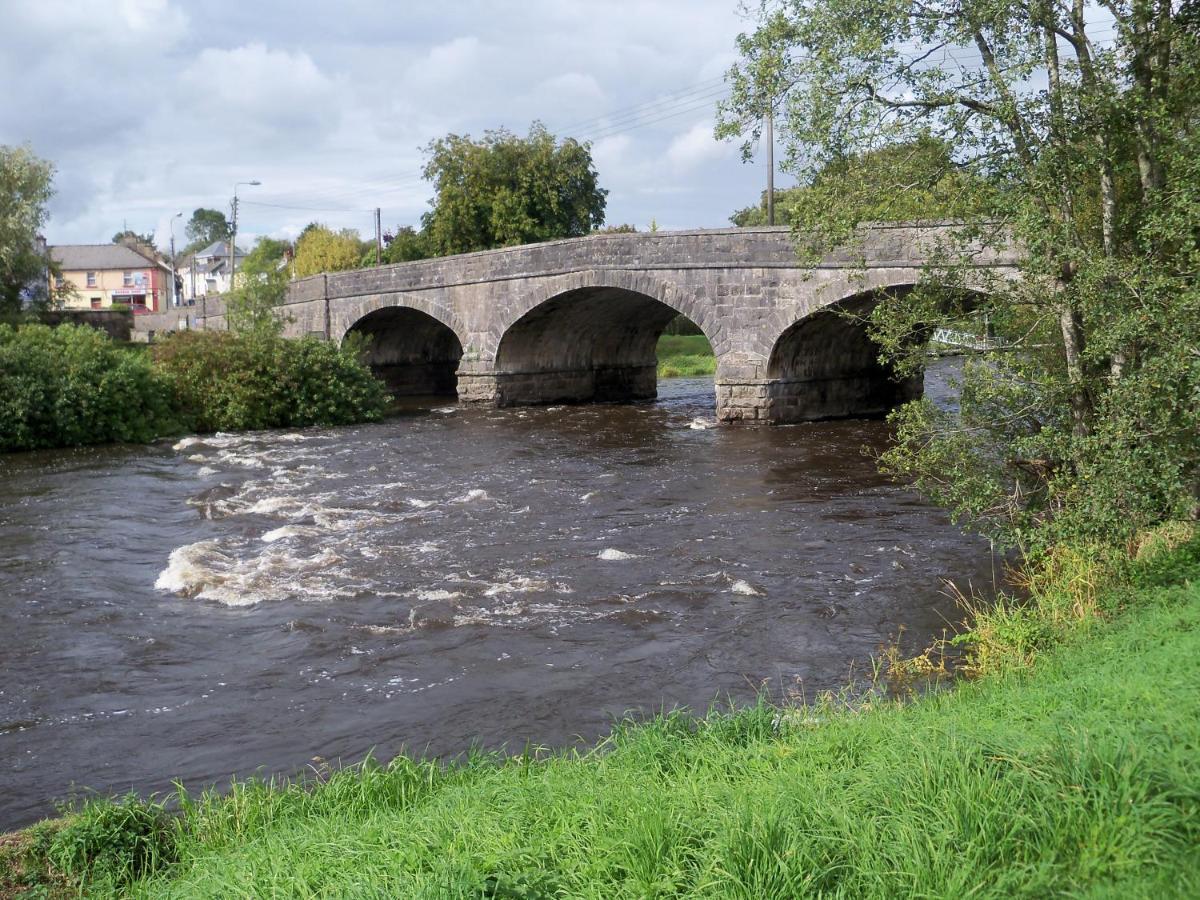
(685,356)
(1073,768)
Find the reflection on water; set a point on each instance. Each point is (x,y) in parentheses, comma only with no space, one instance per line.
(454,574)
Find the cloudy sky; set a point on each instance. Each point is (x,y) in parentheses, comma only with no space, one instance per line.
(152,107)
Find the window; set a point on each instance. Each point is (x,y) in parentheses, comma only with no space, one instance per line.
(91,279)
(95,303)
(127,279)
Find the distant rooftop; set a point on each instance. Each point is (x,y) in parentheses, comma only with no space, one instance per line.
(92,257)
(220,249)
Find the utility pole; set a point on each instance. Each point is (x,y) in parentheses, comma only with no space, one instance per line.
(174,265)
(233,234)
(232,239)
(378,237)
(771,164)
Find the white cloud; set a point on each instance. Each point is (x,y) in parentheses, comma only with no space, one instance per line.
(97,27)
(451,61)
(258,89)
(697,146)
(611,151)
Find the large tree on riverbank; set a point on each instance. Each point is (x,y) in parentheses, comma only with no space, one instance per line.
(1085,132)
(506,190)
(26,186)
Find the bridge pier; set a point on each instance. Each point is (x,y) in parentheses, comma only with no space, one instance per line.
(861,396)
(594,385)
(743,402)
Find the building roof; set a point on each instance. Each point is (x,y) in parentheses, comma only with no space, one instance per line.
(92,257)
(219,248)
(203,265)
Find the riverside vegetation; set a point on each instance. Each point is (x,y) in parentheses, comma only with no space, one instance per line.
(73,385)
(1068,767)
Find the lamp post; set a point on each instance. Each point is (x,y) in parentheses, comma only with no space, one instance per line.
(174,265)
(233,231)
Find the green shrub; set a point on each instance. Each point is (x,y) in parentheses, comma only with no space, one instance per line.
(71,385)
(232,382)
(110,841)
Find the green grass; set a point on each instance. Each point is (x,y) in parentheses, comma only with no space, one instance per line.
(685,356)
(1078,776)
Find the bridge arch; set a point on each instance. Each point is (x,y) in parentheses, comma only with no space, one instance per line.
(826,366)
(589,336)
(414,351)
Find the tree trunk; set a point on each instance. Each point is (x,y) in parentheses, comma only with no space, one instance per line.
(1071,324)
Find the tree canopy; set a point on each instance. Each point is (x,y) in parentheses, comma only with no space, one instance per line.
(26,186)
(321,249)
(1080,148)
(506,190)
(932,186)
(206,226)
(261,287)
(132,237)
(266,255)
(405,244)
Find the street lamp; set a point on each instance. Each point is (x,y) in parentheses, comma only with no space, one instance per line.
(174,269)
(233,231)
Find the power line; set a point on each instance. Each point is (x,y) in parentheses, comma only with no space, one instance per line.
(647,114)
(696,95)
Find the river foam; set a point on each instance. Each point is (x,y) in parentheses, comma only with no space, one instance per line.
(207,571)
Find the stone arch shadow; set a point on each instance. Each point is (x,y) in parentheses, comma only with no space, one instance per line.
(414,351)
(826,366)
(590,337)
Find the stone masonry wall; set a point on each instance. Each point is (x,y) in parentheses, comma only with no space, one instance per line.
(743,286)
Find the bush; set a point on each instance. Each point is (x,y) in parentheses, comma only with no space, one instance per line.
(72,385)
(108,841)
(232,382)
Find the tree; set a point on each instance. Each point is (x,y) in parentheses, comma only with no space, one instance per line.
(405,244)
(321,249)
(262,281)
(504,190)
(26,185)
(267,255)
(1084,154)
(129,236)
(934,187)
(206,226)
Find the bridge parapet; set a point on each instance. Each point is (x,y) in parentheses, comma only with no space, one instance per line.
(716,248)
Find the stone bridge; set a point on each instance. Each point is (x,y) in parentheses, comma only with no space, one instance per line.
(577,320)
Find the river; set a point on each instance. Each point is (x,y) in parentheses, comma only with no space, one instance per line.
(239,603)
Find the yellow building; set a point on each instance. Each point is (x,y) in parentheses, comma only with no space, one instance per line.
(101,275)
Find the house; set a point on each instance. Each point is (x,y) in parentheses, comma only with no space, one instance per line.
(103,275)
(206,271)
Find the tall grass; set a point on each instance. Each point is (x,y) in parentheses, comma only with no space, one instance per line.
(1078,776)
(685,356)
